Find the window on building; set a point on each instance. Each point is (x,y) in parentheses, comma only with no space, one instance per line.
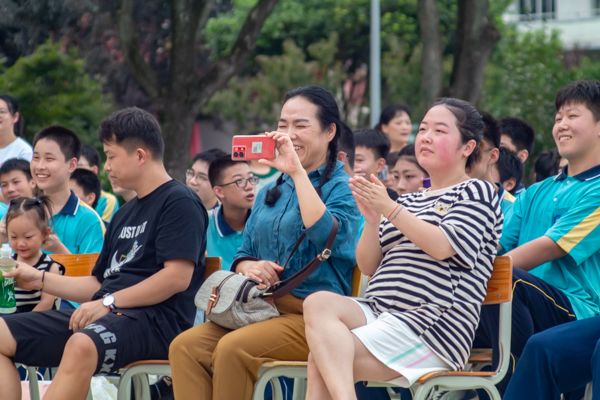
(596,7)
(538,9)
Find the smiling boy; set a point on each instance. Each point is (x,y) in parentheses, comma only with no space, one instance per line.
(76,227)
(553,232)
(371,149)
(15,179)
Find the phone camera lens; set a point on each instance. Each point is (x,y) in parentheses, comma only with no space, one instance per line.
(235,154)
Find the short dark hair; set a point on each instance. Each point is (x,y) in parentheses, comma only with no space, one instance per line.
(519,131)
(346,144)
(374,140)
(509,166)
(491,130)
(90,154)
(546,164)
(88,181)
(389,112)
(133,127)
(208,156)
(16,164)
(67,140)
(216,168)
(468,121)
(391,158)
(13,107)
(586,92)
(408,153)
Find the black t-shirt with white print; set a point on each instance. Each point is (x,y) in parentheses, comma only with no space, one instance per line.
(167,224)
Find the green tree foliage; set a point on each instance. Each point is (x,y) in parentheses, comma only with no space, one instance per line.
(526,71)
(53,88)
(254,102)
(310,21)
(521,81)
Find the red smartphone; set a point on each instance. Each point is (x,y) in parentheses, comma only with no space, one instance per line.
(252,147)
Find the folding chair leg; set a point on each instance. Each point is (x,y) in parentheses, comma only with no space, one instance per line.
(299,392)
(492,392)
(588,392)
(276,389)
(422,392)
(393,394)
(141,387)
(124,388)
(259,388)
(34,387)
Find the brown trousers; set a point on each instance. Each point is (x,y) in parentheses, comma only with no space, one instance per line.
(210,362)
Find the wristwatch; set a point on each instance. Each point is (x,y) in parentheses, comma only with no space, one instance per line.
(108,301)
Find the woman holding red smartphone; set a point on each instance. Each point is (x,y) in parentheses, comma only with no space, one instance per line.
(209,361)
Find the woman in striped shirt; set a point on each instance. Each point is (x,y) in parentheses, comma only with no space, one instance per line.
(429,256)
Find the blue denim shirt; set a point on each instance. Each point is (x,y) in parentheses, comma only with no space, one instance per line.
(271,232)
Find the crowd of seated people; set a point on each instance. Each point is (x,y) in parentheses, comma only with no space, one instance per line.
(422,214)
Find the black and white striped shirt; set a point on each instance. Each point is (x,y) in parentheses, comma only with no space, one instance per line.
(441,300)
(28,299)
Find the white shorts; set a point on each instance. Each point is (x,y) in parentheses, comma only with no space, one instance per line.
(393,343)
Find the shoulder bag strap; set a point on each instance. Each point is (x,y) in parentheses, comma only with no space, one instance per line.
(284,287)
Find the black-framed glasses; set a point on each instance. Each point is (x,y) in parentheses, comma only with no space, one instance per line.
(200,176)
(241,183)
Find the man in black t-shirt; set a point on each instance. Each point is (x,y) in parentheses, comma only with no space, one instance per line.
(140,294)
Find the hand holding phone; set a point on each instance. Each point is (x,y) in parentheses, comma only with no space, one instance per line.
(252,147)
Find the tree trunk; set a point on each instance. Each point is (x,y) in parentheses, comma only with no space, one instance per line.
(177,121)
(476,37)
(191,80)
(431,57)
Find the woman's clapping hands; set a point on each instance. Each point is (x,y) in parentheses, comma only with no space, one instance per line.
(371,197)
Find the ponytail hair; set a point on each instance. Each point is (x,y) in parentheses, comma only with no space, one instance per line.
(469,122)
(327,113)
(39,207)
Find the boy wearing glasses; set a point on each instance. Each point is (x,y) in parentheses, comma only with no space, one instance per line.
(196,177)
(233,184)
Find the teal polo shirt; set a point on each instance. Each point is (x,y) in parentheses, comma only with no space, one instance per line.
(567,210)
(507,201)
(3,209)
(107,206)
(78,227)
(222,241)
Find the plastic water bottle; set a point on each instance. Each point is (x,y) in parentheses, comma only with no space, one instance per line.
(8,303)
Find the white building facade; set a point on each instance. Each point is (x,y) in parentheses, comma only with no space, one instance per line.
(578,21)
